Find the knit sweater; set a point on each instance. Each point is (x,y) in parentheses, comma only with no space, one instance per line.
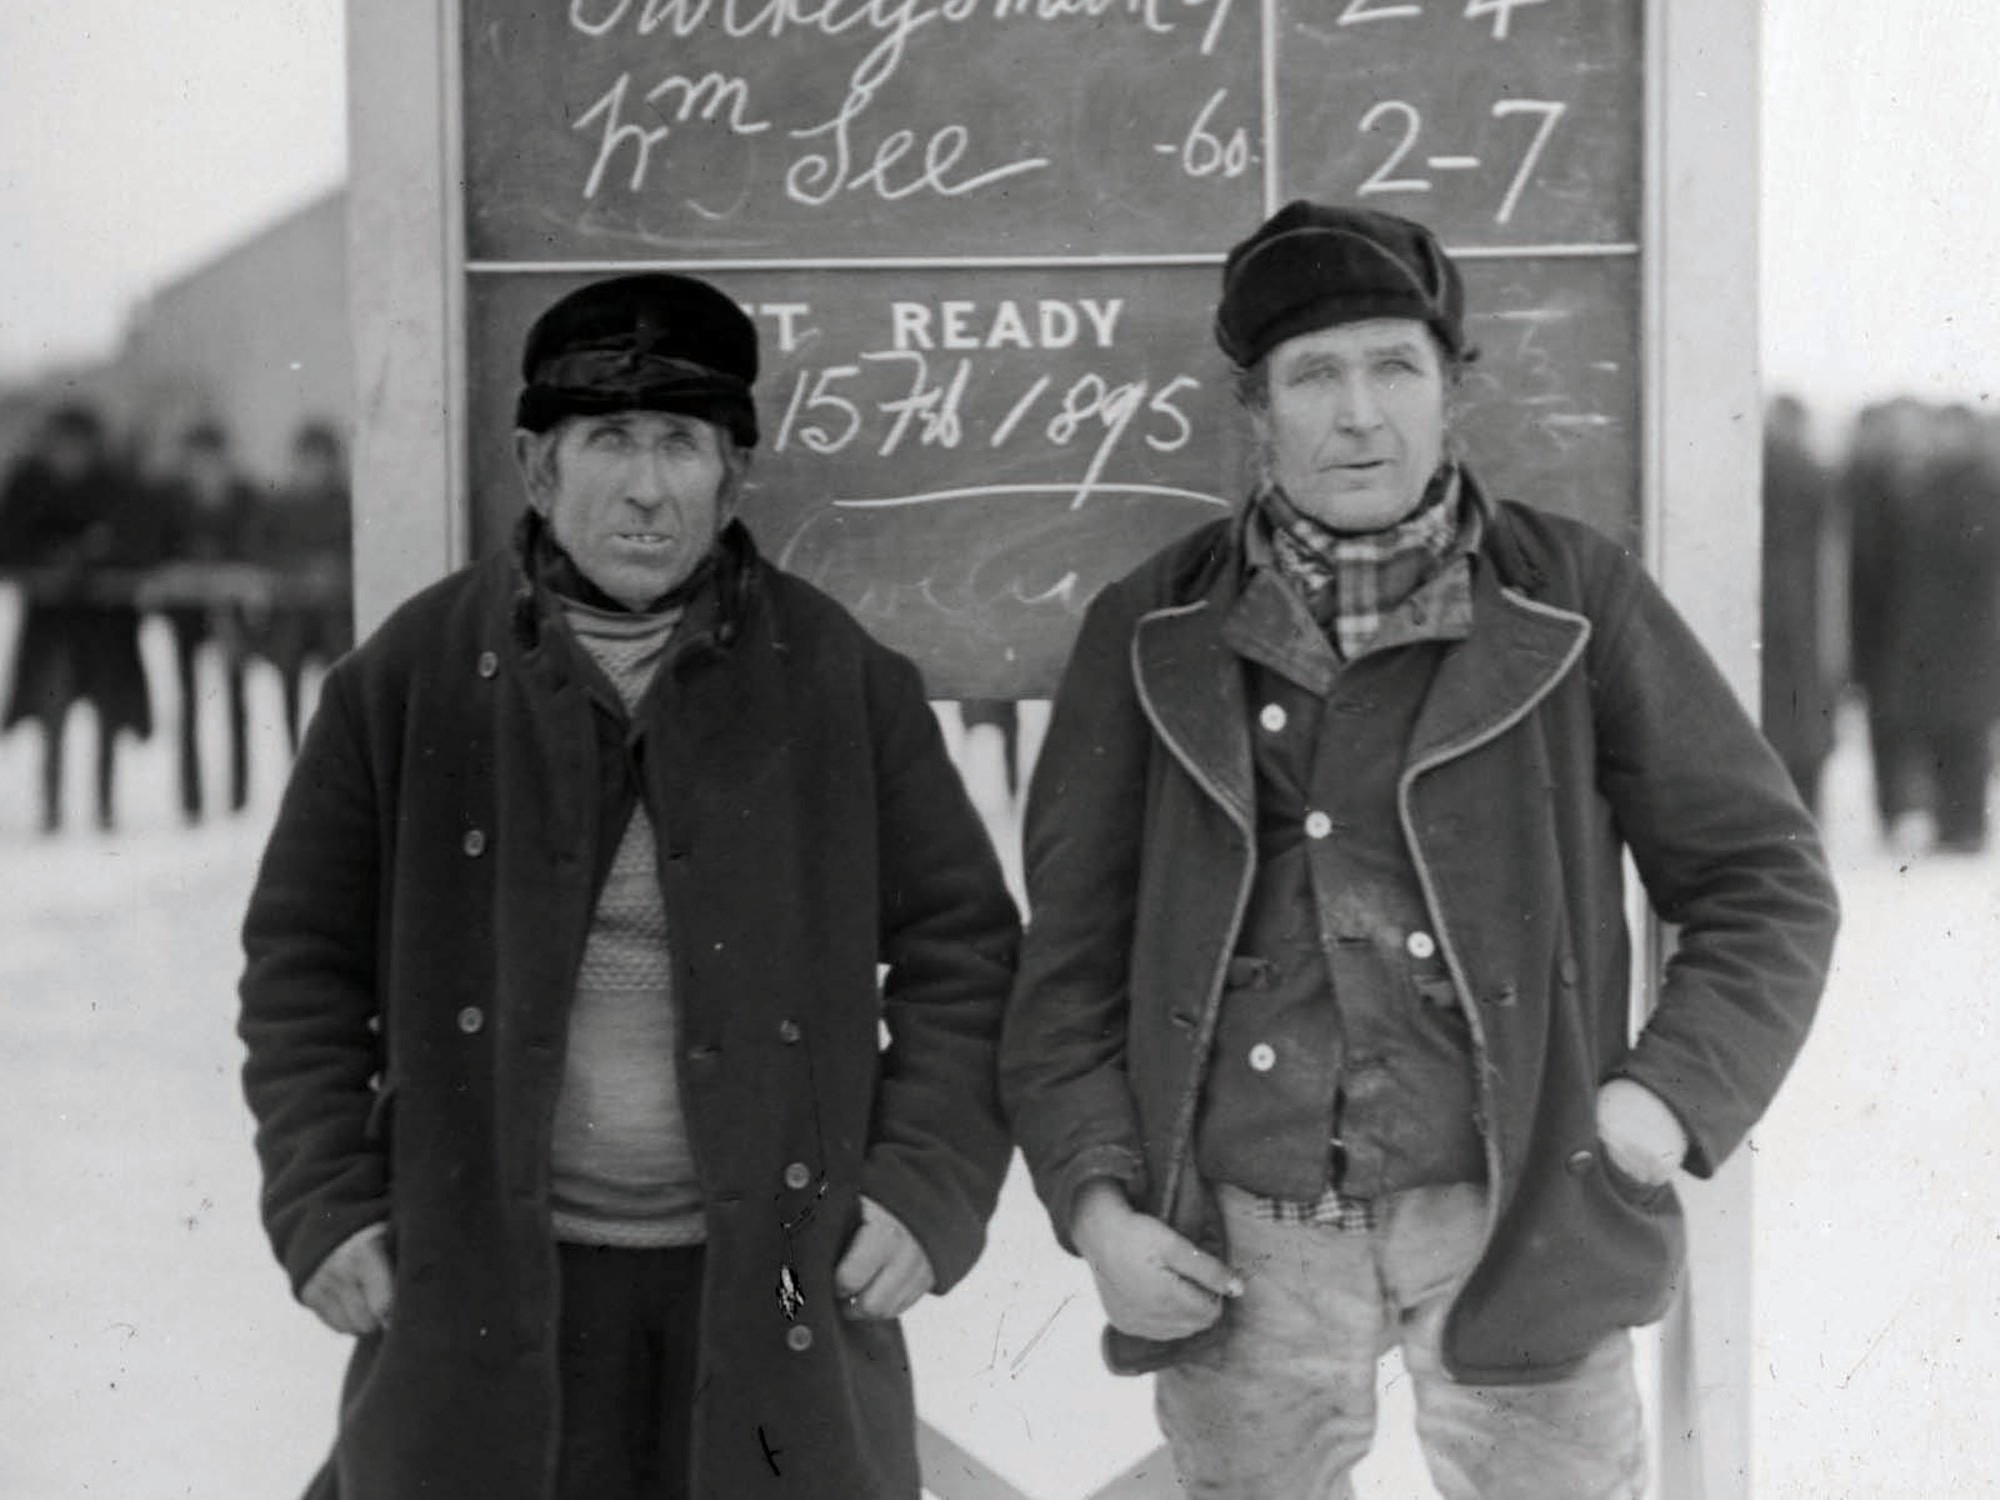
(623,1169)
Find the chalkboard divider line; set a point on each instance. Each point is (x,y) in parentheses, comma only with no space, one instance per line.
(986,262)
(1273,183)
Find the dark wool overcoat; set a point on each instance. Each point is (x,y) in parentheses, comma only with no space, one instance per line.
(1578,720)
(75,645)
(430,875)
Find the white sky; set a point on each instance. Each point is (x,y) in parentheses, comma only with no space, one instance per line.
(137,137)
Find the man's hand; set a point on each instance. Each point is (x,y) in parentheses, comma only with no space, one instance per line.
(1646,1142)
(354,1287)
(1154,1284)
(884,1270)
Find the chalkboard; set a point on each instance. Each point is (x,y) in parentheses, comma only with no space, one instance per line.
(818,129)
(981,406)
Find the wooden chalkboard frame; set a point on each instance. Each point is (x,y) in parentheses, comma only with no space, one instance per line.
(1700,492)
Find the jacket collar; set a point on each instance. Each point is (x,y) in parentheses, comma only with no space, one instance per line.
(723,592)
(1190,680)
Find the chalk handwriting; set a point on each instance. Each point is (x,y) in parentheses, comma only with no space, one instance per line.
(850,150)
(1384,180)
(708,96)
(833,408)
(1204,153)
(1550,110)
(1362,10)
(1502,12)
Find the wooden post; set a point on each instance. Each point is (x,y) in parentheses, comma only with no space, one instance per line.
(1703,539)
(405,299)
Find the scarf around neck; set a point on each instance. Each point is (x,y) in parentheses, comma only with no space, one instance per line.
(1353,581)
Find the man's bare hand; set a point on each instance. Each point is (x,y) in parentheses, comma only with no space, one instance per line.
(353,1288)
(1640,1132)
(1154,1283)
(884,1270)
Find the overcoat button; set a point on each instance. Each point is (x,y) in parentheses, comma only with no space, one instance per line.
(798,1176)
(472,1019)
(1263,1057)
(1273,718)
(489,664)
(1318,825)
(1420,945)
(475,843)
(1581,1162)
(788,1032)
(799,1337)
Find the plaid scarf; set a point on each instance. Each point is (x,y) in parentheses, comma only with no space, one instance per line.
(1353,583)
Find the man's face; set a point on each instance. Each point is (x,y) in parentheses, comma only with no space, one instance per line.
(1353,421)
(636,497)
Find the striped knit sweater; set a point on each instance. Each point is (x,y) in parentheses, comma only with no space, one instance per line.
(623,1168)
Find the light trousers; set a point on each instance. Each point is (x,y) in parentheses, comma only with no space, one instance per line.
(1284,1408)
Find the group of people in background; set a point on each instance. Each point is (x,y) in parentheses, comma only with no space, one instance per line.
(1907,522)
(96,540)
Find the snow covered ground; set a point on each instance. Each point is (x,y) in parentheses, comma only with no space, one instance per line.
(149,1349)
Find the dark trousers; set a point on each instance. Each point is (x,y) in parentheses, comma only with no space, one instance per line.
(1888,748)
(628,1355)
(54,731)
(1959,763)
(191,629)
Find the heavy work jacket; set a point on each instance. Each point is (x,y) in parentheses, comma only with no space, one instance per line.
(431,874)
(1579,719)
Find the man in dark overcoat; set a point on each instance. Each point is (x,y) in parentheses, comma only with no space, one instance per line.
(1321,1042)
(303,532)
(624,978)
(1797,686)
(72,530)
(206,512)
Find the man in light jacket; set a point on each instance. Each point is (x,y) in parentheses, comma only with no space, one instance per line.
(1321,1043)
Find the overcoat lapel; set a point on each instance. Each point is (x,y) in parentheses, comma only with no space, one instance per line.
(1190,684)
(1518,650)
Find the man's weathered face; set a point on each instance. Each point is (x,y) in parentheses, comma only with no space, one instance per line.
(1353,420)
(636,498)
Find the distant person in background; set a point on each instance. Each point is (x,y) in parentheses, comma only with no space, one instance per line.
(206,513)
(1945,650)
(1797,692)
(68,517)
(304,533)
(1878,487)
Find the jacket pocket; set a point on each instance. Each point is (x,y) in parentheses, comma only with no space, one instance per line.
(1644,1195)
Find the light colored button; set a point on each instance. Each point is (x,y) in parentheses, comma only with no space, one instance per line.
(788,1032)
(1421,945)
(1318,825)
(1263,1057)
(1273,718)
(799,1337)
(471,1019)
(798,1176)
(475,843)
(489,663)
